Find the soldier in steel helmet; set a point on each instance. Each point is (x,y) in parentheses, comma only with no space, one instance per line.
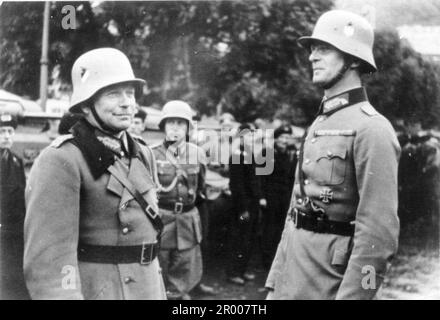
(181,175)
(92,224)
(342,227)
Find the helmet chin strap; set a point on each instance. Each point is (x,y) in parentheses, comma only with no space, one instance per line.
(339,75)
(101,123)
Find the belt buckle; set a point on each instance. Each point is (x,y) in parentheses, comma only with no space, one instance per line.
(295,217)
(178,207)
(151,212)
(145,260)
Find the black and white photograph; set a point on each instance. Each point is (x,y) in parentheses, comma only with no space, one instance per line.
(235,150)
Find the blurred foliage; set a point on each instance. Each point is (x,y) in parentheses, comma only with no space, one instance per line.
(407,86)
(237,56)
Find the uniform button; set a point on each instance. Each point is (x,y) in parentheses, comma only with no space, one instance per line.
(127,280)
(307,161)
(300,201)
(313,140)
(125,230)
(306,181)
(122,153)
(329,153)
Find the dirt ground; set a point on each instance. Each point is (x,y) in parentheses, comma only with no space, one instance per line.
(414,275)
(215,276)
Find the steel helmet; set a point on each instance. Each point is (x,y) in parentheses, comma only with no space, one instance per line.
(176,109)
(97,69)
(346,31)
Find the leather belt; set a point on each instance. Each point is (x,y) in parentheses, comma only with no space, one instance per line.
(143,254)
(177,207)
(317,224)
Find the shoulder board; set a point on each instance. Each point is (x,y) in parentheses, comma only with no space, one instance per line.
(155,145)
(369,110)
(319,133)
(139,139)
(193,145)
(197,147)
(61,140)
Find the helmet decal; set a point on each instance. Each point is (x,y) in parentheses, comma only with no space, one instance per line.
(84,74)
(349,30)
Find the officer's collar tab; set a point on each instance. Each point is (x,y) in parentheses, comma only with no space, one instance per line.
(344,99)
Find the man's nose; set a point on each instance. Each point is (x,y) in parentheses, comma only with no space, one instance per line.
(127,100)
(313,56)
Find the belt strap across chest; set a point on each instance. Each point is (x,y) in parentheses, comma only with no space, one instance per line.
(149,211)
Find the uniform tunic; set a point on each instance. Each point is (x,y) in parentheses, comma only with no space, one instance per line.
(351,156)
(277,188)
(12,211)
(245,186)
(182,171)
(71,198)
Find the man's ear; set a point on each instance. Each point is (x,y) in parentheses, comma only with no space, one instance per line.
(356,64)
(85,109)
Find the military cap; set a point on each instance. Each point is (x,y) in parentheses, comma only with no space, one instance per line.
(8,120)
(282,130)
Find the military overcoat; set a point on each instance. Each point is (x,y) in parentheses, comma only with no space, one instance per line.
(71,198)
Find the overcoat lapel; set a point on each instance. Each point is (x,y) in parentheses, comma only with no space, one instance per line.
(137,174)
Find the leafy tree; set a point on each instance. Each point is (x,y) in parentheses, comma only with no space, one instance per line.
(21,27)
(237,56)
(406,86)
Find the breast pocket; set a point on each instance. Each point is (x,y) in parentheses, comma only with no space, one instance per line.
(193,172)
(165,168)
(331,165)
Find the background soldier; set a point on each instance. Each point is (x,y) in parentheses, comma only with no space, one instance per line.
(343,226)
(138,125)
(91,225)
(246,198)
(181,174)
(12,210)
(277,188)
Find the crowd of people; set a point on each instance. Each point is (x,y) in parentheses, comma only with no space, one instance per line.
(110,216)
